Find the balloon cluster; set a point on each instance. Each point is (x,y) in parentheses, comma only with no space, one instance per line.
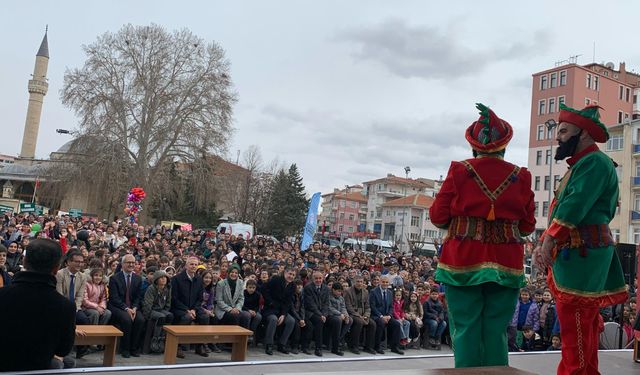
(134,203)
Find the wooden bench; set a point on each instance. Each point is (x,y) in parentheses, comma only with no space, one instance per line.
(100,335)
(196,334)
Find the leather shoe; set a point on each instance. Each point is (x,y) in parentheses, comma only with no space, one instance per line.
(306,351)
(125,354)
(135,353)
(355,350)
(268,349)
(379,351)
(318,352)
(180,353)
(294,351)
(397,350)
(338,352)
(283,349)
(200,351)
(370,351)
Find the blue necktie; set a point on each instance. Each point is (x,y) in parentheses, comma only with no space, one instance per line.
(72,290)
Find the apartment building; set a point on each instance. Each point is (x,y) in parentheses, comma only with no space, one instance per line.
(408,218)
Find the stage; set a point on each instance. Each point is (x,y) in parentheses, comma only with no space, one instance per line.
(614,362)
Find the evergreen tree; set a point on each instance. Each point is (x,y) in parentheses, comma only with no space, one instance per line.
(278,206)
(298,202)
(289,204)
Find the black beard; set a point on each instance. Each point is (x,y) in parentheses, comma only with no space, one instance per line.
(568,148)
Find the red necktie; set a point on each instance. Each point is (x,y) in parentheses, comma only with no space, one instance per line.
(128,296)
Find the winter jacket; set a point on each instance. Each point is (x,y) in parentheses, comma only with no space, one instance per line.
(533,316)
(156,300)
(337,305)
(433,310)
(398,309)
(94,296)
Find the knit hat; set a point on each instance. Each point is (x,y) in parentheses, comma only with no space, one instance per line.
(490,133)
(587,119)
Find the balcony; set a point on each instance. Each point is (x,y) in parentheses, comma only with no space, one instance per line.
(635,215)
(391,193)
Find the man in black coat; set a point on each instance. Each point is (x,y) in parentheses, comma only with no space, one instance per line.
(381,303)
(125,302)
(39,323)
(316,306)
(278,297)
(186,300)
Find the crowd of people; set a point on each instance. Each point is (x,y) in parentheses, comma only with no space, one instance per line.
(334,299)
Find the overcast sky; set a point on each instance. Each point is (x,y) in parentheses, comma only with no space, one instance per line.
(348,90)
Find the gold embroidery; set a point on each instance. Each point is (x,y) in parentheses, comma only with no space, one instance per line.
(579,337)
(585,293)
(564,223)
(479,266)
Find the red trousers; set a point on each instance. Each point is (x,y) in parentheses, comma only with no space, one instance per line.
(580,329)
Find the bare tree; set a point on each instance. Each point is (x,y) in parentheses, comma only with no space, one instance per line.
(146,99)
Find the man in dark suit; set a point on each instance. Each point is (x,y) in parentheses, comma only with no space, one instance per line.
(381,303)
(316,305)
(39,323)
(186,300)
(125,299)
(278,297)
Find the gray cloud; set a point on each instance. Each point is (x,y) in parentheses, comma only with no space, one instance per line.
(429,53)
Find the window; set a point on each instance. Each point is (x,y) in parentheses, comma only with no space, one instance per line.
(637,168)
(560,100)
(596,83)
(372,214)
(627,95)
(543,82)
(589,80)
(536,206)
(636,235)
(620,115)
(620,92)
(615,142)
(350,230)
(538,157)
(636,202)
(340,228)
(553,79)
(626,116)
(354,204)
(413,236)
(563,78)
(341,215)
(550,133)
(351,217)
(542,107)
(635,98)
(615,233)
(547,159)
(545,208)
(552,105)
(343,203)
(415,221)
(546,182)
(556,181)
(536,185)
(540,135)
(587,101)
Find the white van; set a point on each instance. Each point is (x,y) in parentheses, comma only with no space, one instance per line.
(246,230)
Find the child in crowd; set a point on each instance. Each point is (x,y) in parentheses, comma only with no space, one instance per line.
(94,302)
(338,309)
(547,317)
(530,340)
(423,292)
(414,313)
(434,318)
(556,343)
(398,314)
(156,307)
(525,314)
(252,305)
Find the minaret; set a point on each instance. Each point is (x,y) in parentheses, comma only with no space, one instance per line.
(38,87)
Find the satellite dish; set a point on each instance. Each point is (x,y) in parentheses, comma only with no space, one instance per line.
(609,65)
(610,337)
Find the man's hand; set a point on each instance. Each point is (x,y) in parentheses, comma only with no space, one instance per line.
(386,318)
(280,319)
(80,332)
(301,323)
(253,313)
(323,318)
(235,311)
(542,253)
(192,314)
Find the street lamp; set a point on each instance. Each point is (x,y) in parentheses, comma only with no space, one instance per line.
(65,131)
(407,169)
(550,124)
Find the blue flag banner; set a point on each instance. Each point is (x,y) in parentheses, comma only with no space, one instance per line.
(311,224)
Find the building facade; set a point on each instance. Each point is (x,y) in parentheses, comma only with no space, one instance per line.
(417,228)
(576,86)
(624,148)
(344,212)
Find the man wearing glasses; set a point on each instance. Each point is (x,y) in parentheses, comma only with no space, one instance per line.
(124,302)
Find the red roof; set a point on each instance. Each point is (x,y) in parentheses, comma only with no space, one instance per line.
(358,197)
(399,180)
(416,200)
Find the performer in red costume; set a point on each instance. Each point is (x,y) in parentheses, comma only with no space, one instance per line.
(487,205)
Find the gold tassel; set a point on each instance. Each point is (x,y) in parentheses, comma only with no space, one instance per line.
(492,214)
